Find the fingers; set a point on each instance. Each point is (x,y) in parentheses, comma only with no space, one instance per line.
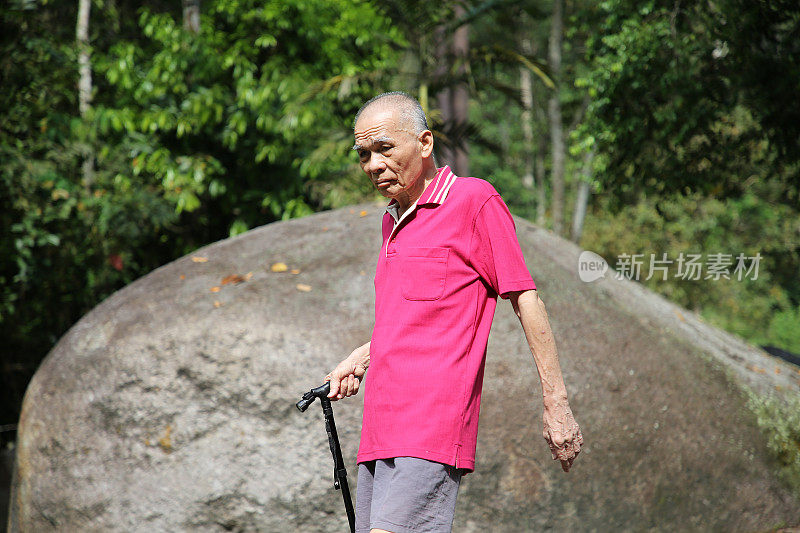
(564,448)
(334,392)
(338,379)
(567,456)
(350,385)
(342,386)
(347,386)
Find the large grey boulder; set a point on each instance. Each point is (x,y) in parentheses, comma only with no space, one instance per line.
(170,407)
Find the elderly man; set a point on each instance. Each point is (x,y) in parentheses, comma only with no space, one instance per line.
(449,248)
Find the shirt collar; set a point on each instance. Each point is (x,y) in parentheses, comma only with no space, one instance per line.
(435,193)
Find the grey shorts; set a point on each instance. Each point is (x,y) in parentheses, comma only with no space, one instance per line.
(406,495)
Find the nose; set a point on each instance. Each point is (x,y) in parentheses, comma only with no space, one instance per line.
(375,164)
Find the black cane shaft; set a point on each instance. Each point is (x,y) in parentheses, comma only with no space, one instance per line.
(348,504)
(333,436)
(330,428)
(339,472)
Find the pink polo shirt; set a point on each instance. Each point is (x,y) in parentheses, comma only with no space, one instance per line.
(440,270)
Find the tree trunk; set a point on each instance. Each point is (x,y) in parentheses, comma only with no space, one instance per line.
(554,114)
(526,93)
(541,186)
(191,15)
(444,154)
(85,82)
(540,155)
(582,201)
(460,96)
(533,177)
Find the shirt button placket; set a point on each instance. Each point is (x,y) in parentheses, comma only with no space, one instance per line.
(391,247)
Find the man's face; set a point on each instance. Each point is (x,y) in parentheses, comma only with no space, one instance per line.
(390,154)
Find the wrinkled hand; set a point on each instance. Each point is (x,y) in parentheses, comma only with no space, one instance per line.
(346,378)
(562,433)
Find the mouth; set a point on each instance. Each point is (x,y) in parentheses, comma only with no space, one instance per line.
(382,184)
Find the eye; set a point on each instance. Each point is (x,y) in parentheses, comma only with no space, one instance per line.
(386,148)
(363,154)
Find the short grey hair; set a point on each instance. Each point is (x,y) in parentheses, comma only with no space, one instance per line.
(410,110)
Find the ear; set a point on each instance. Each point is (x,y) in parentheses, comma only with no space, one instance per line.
(425,140)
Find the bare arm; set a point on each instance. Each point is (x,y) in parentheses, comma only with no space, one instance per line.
(346,377)
(560,429)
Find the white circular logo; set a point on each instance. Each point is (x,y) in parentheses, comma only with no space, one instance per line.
(591,266)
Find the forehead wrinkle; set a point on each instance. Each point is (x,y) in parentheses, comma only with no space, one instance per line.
(382,131)
(381,126)
(386,120)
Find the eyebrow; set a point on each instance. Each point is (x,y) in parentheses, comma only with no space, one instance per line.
(382,139)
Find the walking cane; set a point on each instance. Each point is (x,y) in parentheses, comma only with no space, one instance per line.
(339,470)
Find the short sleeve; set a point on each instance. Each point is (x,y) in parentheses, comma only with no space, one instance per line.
(495,251)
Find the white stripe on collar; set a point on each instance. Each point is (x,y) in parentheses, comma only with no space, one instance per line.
(448,181)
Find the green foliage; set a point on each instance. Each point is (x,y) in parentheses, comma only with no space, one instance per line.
(57,233)
(760,53)
(246,114)
(783,330)
(693,151)
(502,167)
(193,138)
(699,224)
(780,422)
(499,152)
(672,109)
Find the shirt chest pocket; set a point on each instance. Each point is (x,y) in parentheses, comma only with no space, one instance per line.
(424,273)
